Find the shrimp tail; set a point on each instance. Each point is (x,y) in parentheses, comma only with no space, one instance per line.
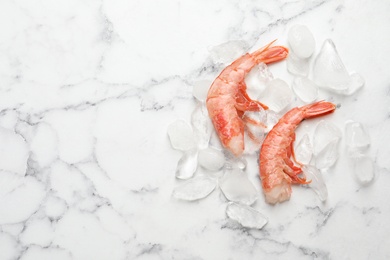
(319,108)
(269,54)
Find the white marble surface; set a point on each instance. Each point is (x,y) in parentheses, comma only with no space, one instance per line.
(87,90)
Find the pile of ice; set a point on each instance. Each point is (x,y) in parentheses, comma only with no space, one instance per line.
(204,168)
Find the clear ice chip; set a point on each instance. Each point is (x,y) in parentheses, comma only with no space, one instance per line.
(200,89)
(236,187)
(252,146)
(211,159)
(303,150)
(364,170)
(255,127)
(356,138)
(247,216)
(305,89)
(229,51)
(257,78)
(202,125)
(301,41)
(317,181)
(298,66)
(329,70)
(325,133)
(194,189)
(356,83)
(277,95)
(187,165)
(181,135)
(272,120)
(233,162)
(328,156)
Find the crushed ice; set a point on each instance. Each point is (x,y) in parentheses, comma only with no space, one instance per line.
(193,139)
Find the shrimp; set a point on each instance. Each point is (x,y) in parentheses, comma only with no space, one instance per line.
(277,170)
(227,99)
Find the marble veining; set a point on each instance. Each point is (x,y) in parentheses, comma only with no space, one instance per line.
(87,90)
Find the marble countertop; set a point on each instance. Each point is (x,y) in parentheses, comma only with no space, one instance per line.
(88,89)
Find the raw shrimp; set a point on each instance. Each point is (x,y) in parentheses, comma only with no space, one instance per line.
(277,170)
(227,98)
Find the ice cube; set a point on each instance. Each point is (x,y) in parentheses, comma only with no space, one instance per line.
(272,120)
(181,135)
(211,159)
(252,146)
(200,89)
(277,95)
(264,72)
(304,150)
(301,41)
(187,164)
(356,138)
(233,162)
(202,126)
(305,89)
(245,215)
(356,83)
(329,70)
(317,181)
(255,123)
(364,170)
(236,187)
(227,52)
(255,127)
(298,66)
(328,155)
(324,133)
(257,78)
(195,189)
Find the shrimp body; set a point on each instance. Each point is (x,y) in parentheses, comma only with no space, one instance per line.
(227,98)
(277,170)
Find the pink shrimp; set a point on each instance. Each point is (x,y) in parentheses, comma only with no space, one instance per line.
(277,171)
(227,98)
